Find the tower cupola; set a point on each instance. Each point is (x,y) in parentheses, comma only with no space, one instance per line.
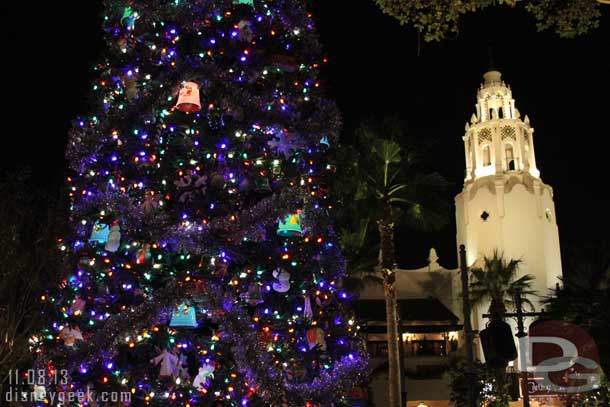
(497,140)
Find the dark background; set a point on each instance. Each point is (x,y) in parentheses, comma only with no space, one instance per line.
(563,85)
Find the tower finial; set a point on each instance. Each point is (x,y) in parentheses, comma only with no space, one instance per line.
(490,52)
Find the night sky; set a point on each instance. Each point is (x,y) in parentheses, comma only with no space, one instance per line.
(374,70)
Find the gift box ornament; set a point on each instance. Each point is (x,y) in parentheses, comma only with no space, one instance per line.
(99,233)
(188,98)
(184,316)
(290,226)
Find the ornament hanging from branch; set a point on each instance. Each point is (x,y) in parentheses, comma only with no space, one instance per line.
(169,364)
(315,337)
(324,142)
(286,144)
(70,335)
(114,238)
(246,2)
(245,31)
(253,296)
(151,202)
(284,62)
(307,311)
(188,98)
(129,18)
(290,226)
(78,306)
(202,380)
(184,316)
(191,185)
(99,233)
(282,284)
(143,254)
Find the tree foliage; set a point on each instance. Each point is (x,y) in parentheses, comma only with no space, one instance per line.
(30,261)
(496,281)
(584,298)
(438,19)
(385,160)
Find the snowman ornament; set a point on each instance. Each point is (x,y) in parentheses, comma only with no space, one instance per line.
(282,284)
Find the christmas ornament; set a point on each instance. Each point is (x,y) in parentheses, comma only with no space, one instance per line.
(282,284)
(307,311)
(184,316)
(169,364)
(285,144)
(324,142)
(248,2)
(143,254)
(78,306)
(188,98)
(284,62)
(295,371)
(190,186)
(70,335)
(129,18)
(245,31)
(290,226)
(254,295)
(114,238)
(183,372)
(206,372)
(131,89)
(99,234)
(221,269)
(150,204)
(315,337)
(40,392)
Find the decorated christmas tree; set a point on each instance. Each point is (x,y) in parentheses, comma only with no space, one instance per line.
(203,269)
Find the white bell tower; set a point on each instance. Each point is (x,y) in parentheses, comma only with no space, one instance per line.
(504,204)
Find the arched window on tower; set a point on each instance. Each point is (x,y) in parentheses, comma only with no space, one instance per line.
(510,157)
(486,155)
(500,113)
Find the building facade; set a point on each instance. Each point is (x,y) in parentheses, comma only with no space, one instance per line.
(504,204)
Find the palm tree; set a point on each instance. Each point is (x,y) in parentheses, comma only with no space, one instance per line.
(495,281)
(384,182)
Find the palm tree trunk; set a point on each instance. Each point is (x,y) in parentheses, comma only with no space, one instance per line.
(497,310)
(388,266)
